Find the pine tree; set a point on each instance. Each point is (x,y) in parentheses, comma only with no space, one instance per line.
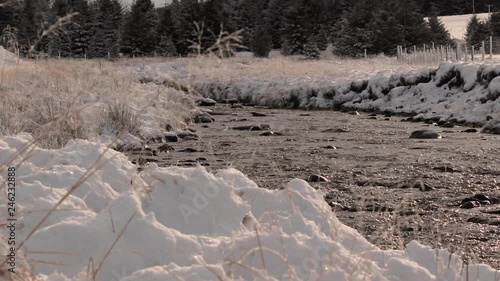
(295,31)
(139,35)
(10,23)
(353,34)
(166,47)
(273,19)
(415,29)
(311,50)
(107,28)
(477,31)
(438,33)
(387,32)
(75,40)
(166,31)
(185,13)
(261,42)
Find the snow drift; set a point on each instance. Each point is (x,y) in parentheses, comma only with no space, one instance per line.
(460,93)
(188,224)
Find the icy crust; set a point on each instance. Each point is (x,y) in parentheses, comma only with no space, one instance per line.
(464,92)
(187,224)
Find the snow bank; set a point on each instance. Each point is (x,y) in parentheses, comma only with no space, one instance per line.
(193,225)
(461,93)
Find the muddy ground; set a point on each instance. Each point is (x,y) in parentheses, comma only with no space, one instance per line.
(391,188)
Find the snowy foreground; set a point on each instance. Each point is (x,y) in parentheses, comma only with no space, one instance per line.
(188,224)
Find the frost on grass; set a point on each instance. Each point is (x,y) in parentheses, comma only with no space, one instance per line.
(194,225)
(62,100)
(459,92)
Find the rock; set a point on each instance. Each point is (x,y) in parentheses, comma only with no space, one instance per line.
(447,125)
(470,205)
(171,137)
(140,161)
(372,114)
(373,118)
(479,220)
(387,119)
(258,127)
(165,148)
(418,118)
(204,118)
(304,114)
(425,134)
(317,178)
(422,186)
(354,113)
(269,133)
(229,101)
(201,101)
(330,147)
(335,130)
(494,222)
(205,126)
(190,150)
(237,106)
(470,131)
(257,114)
(433,119)
(447,168)
(187,135)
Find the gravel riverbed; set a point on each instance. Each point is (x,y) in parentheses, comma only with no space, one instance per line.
(443,192)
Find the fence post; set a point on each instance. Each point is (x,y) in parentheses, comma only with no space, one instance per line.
(366,54)
(491,47)
(482,51)
(458,51)
(472,53)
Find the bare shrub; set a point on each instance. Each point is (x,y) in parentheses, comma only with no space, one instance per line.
(118,118)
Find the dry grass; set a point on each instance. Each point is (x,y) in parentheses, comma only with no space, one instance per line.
(69,99)
(276,68)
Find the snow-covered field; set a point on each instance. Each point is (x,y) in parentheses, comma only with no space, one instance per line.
(457,25)
(108,221)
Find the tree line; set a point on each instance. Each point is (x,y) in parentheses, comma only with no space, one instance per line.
(297,27)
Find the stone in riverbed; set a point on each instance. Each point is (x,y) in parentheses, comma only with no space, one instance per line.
(171,137)
(201,101)
(335,130)
(190,150)
(425,134)
(447,125)
(187,135)
(204,118)
(317,178)
(258,127)
(470,131)
(257,114)
(165,148)
(270,133)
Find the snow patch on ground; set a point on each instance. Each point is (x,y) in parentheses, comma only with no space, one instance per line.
(193,225)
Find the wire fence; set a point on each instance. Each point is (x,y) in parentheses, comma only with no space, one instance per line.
(487,51)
